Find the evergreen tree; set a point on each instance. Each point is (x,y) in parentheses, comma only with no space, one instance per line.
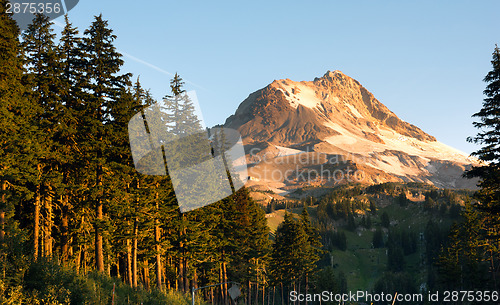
(402,200)
(314,250)
(42,78)
(341,241)
(395,258)
(342,282)
(433,240)
(250,237)
(351,223)
(462,262)
(369,222)
(378,239)
(326,281)
(373,207)
(363,221)
(489,173)
(287,255)
(102,90)
(385,221)
(16,151)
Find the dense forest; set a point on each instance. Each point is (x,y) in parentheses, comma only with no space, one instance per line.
(79,224)
(72,202)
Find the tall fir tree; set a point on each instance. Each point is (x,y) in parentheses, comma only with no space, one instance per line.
(488,196)
(489,124)
(461,263)
(102,90)
(314,249)
(287,258)
(41,62)
(15,152)
(71,80)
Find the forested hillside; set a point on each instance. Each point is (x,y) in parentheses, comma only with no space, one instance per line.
(74,211)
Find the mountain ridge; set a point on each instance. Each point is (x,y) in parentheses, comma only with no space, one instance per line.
(336,116)
(277,94)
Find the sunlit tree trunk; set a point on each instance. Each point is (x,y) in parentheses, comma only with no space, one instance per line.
(47,242)
(2,212)
(134,252)
(157,244)
(64,228)
(129,263)
(36,225)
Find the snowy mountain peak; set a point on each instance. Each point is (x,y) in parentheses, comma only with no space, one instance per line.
(336,115)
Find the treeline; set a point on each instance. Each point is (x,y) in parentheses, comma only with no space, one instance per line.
(70,194)
(343,204)
(277,204)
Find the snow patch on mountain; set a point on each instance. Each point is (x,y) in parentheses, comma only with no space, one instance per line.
(299,94)
(285,151)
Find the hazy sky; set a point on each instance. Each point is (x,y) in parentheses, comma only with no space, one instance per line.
(425,60)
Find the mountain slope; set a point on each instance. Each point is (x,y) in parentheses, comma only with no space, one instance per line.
(335,117)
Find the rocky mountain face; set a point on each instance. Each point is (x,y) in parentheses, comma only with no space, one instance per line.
(333,130)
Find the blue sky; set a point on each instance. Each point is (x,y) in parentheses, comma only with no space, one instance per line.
(424,60)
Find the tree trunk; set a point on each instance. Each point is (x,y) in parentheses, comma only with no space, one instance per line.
(2,212)
(78,260)
(186,280)
(64,229)
(249,292)
(135,239)
(118,261)
(181,273)
(157,245)
(184,261)
(282,294)
(176,280)
(134,253)
(307,286)
(168,278)
(298,290)
(224,280)
(84,260)
(195,279)
(493,269)
(274,294)
(47,237)
(146,274)
(80,249)
(109,265)
(2,225)
(99,254)
(36,226)
(222,290)
(158,265)
(256,291)
(129,263)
